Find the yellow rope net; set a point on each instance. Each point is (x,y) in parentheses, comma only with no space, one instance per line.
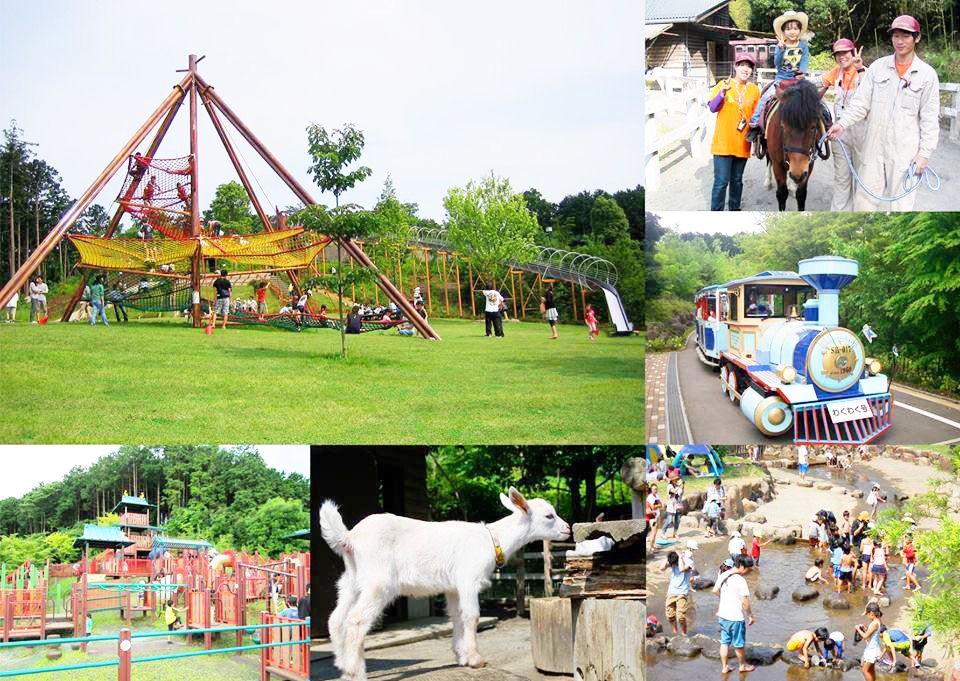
(285,249)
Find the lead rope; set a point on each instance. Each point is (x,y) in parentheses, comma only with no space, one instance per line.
(908,186)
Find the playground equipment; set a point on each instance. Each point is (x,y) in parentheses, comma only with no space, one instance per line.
(588,272)
(284,652)
(23,601)
(686,458)
(169,203)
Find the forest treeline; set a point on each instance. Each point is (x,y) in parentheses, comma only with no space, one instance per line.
(228,497)
(908,289)
(603,224)
(464,483)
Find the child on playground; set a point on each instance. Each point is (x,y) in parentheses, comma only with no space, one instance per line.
(791,59)
(590,319)
(171,617)
(291,609)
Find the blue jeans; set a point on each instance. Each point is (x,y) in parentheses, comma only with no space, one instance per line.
(727,170)
(97,307)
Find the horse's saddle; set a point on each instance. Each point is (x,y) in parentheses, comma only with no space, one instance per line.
(771,105)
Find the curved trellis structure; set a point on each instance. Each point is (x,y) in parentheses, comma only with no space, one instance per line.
(583,269)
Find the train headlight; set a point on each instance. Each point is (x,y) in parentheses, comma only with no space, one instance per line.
(874,366)
(787,373)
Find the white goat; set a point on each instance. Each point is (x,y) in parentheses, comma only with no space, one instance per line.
(387,556)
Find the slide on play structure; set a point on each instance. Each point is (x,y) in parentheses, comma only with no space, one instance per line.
(618,314)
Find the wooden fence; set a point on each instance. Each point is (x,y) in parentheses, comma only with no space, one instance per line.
(528,574)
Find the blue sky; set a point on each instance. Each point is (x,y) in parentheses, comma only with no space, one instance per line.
(26,466)
(548,94)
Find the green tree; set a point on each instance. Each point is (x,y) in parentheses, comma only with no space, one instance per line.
(332,153)
(266,527)
(231,207)
(490,226)
(608,222)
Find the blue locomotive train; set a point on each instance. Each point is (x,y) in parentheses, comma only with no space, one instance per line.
(776,340)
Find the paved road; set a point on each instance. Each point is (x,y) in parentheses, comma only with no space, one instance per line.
(687,182)
(714,419)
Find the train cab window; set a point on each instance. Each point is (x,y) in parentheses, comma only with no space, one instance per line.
(732,307)
(712,308)
(775,301)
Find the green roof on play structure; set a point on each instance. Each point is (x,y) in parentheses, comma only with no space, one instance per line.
(127,500)
(102,537)
(172,543)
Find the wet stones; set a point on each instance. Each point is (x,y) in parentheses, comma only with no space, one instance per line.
(804,483)
(683,647)
(804,593)
(755,518)
(856,493)
(824,485)
(749,506)
(656,645)
(700,583)
(763,655)
(838,490)
(766,593)
(709,648)
(836,601)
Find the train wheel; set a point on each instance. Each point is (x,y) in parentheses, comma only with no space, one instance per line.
(724,372)
(772,416)
(732,386)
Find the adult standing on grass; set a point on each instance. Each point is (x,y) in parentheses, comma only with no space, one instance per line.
(10,308)
(899,97)
(491,311)
(734,614)
(38,299)
(97,304)
(733,100)
(550,311)
(222,305)
(115,296)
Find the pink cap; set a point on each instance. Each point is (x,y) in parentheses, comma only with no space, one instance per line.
(745,56)
(905,22)
(843,45)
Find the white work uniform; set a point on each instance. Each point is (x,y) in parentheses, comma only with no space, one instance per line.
(902,116)
(844,186)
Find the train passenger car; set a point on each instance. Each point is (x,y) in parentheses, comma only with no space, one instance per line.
(801,372)
(709,316)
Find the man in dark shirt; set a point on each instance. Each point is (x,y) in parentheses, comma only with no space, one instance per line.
(303,605)
(222,306)
(354,321)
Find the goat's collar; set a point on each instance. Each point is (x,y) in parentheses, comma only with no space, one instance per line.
(497,551)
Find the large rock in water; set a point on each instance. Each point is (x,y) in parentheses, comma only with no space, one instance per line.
(857,493)
(766,593)
(836,601)
(824,485)
(749,506)
(699,582)
(655,646)
(765,655)
(755,518)
(709,648)
(804,483)
(804,593)
(683,646)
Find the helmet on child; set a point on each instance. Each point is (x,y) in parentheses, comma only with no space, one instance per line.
(843,45)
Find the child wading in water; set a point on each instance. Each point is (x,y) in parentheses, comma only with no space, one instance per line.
(815,573)
(755,547)
(909,557)
(848,563)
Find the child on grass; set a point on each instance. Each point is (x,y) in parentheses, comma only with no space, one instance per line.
(590,318)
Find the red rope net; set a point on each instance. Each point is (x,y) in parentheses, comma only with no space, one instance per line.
(158,192)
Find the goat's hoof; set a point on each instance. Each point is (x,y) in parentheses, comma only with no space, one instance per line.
(476,662)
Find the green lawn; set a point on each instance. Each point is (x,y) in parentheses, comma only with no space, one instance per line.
(160,381)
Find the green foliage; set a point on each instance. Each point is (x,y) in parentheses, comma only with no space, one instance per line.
(331,153)
(608,222)
(740,12)
(231,206)
(490,225)
(38,548)
(945,61)
(266,527)
(822,61)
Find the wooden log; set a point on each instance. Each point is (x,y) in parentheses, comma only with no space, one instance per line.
(551,634)
(590,576)
(608,639)
(521,587)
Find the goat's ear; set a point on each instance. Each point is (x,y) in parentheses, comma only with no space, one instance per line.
(515,502)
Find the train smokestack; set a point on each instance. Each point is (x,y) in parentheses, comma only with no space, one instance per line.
(828,274)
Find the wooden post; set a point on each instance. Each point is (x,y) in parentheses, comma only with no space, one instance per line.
(521,585)
(473,303)
(426,264)
(573,300)
(194,195)
(513,292)
(608,639)
(955,120)
(523,302)
(547,569)
(446,287)
(551,634)
(124,647)
(583,300)
(456,264)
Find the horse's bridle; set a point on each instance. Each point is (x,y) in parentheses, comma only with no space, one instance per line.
(811,152)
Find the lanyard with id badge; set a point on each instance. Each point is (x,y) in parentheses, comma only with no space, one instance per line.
(741,93)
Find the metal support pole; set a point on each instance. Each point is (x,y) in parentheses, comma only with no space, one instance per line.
(194,194)
(70,217)
(446,287)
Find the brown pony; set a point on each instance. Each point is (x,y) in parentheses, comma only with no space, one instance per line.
(791,136)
